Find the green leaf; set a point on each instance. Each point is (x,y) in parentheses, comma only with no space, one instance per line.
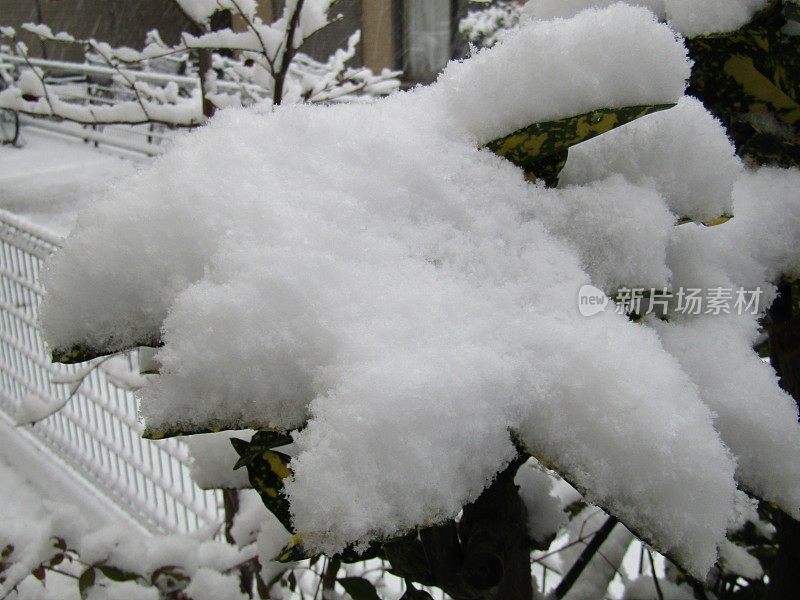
(720,220)
(548,168)
(293,551)
(791,10)
(117,574)
(540,149)
(574,508)
(359,588)
(266,470)
(261,440)
(79,353)
(413,593)
(161,433)
(86,581)
(56,560)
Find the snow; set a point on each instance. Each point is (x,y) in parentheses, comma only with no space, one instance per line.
(604,565)
(738,560)
(409,299)
(757,420)
(50,179)
(683,153)
(545,508)
(768,201)
(694,18)
(43,31)
(643,588)
(487,26)
(212,585)
(620,56)
(32,408)
(766,224)
(187,113)
(619,229)
(32,515)
(689,17)
(213,459)
(200,11)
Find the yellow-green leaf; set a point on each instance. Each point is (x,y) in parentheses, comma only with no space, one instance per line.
(266,470)
(540,149)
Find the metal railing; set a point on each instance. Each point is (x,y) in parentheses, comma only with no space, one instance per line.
(97,433)
(84,84)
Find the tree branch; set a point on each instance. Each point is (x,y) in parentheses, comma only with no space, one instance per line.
(586,556)
(288,54)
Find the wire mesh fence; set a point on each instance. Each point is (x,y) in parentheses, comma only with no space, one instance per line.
(97,432)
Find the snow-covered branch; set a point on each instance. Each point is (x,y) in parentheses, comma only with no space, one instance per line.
(262,64)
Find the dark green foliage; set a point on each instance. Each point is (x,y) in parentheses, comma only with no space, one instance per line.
(359,588)
(413,593)
(117,574)
(750,79)
(86,581)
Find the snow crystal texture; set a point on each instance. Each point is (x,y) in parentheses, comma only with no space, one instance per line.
(368,272)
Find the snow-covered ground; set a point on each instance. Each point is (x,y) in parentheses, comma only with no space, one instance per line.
(33,481)
(51,177)
(35,489)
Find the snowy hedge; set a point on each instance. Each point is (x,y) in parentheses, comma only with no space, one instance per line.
(405,303)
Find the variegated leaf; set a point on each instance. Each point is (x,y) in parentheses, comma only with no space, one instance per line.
(540,149)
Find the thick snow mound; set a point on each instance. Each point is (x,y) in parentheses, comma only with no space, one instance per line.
(683,152)
(689,17)
(543,71)
(619,229)
(483,98)
(366,271)
(757,419)
(412,319)
(607,369)
(768,200)
(754,249)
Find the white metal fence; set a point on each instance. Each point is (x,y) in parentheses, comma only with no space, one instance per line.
(97,433)
(84,84)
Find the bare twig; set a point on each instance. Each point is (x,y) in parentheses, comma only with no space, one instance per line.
(655,577)
(131,82)
(586,556)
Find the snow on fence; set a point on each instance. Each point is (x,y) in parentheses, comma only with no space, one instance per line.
(97,433)
(85,83)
